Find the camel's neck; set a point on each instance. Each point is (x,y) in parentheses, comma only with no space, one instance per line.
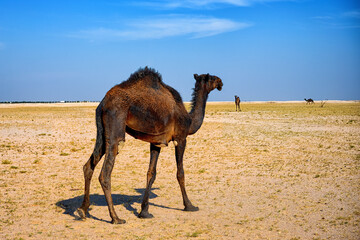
(198,103)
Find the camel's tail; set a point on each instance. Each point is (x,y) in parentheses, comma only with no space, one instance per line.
(99,144)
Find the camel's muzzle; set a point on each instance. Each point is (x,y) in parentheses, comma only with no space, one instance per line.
(219,87)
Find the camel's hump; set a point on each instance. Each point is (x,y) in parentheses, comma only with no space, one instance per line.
(147,76)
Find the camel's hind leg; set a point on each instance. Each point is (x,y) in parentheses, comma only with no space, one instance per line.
(105,179)
(115,136)
(94,159)
(88,172)
(179,151)
(151,175)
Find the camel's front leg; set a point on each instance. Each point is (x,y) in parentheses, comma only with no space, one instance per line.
(179,151)
(151,175)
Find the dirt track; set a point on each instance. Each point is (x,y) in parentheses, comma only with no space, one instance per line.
(272,171)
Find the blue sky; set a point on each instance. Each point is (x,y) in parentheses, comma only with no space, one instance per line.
(262,49)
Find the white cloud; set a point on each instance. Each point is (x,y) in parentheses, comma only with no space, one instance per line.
(194,27)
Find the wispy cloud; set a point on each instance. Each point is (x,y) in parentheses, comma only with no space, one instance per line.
(168,4)
(344,20)
(352,14)
(323,17)
(193,27)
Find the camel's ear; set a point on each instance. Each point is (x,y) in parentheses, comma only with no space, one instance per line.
(207,77)
(196,76)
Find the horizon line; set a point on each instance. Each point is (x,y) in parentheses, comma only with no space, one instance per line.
(186,102)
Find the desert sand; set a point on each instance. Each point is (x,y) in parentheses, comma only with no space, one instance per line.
(275,170)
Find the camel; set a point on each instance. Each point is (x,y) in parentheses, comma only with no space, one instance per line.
(147,109)
(309,101)
(237,103)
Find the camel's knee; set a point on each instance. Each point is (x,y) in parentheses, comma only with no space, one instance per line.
(87,169)
(104,181)
(180,175)
(90,165)
(151,175)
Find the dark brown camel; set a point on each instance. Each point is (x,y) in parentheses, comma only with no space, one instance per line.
(237,103)
(309,101)
(149,110)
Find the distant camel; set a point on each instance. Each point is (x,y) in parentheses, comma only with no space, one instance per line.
(237,103)
(149,110)
(309,101)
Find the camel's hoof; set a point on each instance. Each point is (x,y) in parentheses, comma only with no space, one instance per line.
(81,213)
(191,208)
(145,215)
(118,221)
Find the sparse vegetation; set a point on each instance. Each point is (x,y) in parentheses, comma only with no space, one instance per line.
(6,161)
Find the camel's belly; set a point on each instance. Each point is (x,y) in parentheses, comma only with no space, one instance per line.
(150,121)
(160,140)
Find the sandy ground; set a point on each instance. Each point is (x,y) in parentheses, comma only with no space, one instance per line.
(272,171)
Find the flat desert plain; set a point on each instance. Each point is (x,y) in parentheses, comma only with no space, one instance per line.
(275,170)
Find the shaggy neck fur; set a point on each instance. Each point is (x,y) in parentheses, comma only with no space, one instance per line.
(198,104)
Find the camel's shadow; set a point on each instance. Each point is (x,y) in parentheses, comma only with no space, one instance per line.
(71,205)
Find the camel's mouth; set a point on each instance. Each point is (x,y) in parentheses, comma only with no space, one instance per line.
(219,87)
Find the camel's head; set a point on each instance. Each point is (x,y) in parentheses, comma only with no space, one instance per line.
(210,82)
